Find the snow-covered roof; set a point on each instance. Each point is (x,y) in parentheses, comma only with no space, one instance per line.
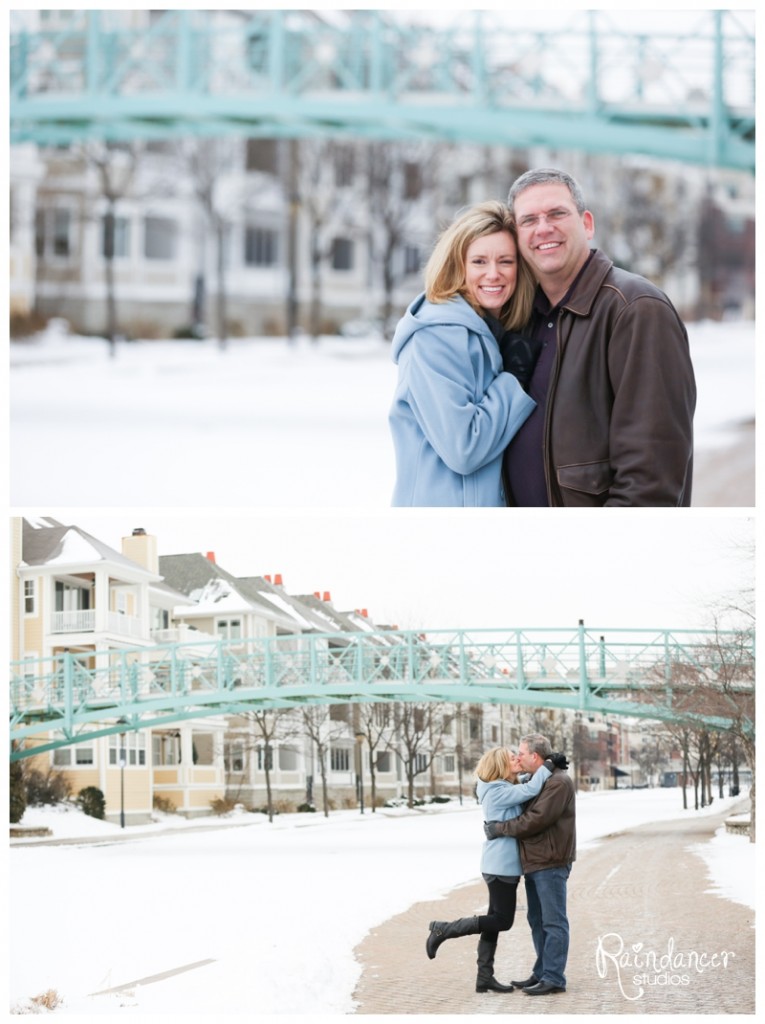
(46,542)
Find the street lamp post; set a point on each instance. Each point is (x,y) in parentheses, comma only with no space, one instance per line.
(360,772)
(122,779)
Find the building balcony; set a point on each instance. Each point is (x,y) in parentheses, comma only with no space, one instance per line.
(84,621)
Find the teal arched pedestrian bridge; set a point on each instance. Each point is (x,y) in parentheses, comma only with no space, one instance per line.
(670,675)
(679,87)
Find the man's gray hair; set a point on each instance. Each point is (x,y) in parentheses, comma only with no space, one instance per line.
(537,744)
(545,176)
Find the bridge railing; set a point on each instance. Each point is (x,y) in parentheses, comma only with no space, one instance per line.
(523,658)
(128,74)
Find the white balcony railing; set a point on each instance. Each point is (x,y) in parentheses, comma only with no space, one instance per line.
(81,621)
(84,621)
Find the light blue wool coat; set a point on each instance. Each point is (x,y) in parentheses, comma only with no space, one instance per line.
(500,801)
(454,411)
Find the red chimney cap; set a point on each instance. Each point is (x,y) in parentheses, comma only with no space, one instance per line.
(211,556)
(327,596)
(278,580)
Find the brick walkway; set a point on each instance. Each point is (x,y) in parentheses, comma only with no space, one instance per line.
(644,886)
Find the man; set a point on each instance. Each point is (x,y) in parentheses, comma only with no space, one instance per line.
(613,384)
(546,832)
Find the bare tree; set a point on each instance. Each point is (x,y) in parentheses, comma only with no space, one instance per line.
(115,165)
(400,177)
(328,192)
(209,163)
(271,726)
(318,728)
(375,721)
(420,738)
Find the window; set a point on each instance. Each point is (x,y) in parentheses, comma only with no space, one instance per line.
(412,181)
(344,166)
(53,233)
(342,254)
(474,728)
(30,597)
(340,759)
(229,629)
(71,598)
(420,763)
(61,229)
(233,756)
(288,759)
(384,761)
(262,155)
(165,748)
(69,757)
(339,712)
(134,745)
(202,748)
(160,618)
(160,238)
(115,237)
(264,758)
(261,247)
(411,259)
(449,764)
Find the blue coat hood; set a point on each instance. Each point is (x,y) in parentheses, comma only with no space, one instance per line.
(455,410)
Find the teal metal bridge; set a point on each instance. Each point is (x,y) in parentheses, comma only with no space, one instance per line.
(683,92)
(655,674)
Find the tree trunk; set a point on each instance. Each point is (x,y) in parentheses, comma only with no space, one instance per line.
(220,240)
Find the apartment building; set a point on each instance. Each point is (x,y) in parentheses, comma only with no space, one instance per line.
(81,607)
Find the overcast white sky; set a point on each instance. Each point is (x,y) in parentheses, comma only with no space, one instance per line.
(434,569)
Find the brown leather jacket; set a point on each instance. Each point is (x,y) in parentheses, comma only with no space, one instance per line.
(619,417)
(546,830)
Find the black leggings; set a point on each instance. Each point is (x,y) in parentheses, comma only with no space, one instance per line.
(501,907)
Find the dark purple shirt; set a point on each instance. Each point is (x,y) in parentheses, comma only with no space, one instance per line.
(524,464)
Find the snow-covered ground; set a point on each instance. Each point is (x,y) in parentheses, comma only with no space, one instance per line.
(264,916)
(267,424)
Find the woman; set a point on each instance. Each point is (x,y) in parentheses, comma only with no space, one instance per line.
(455,409)
(501,797)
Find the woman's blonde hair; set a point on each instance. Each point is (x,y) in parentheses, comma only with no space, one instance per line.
(495,764)
(445,270)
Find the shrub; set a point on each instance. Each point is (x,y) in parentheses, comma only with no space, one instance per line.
(51,787)
(91,801)
(440,799)
(164,804)
(222,805)
(18,796)
(306,809)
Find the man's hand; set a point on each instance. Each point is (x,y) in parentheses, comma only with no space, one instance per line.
(491,829)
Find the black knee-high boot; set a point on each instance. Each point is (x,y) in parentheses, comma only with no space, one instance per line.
(485,981)
(440,931)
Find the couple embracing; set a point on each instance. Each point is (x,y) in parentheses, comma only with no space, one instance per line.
(531,831)
(533,372)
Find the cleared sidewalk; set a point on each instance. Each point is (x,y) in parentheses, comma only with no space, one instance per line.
(646,937)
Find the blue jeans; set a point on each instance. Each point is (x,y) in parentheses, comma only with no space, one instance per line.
(546,914)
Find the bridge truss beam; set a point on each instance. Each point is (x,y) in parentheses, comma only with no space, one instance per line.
(684,95)
(659,675)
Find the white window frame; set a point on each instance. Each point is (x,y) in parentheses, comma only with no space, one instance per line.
(30,595)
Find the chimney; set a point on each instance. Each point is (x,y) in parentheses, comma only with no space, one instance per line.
(142,548)
(327,596)
(210,556)
(317,594)
(365,613)
(267,579)
(278,580)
